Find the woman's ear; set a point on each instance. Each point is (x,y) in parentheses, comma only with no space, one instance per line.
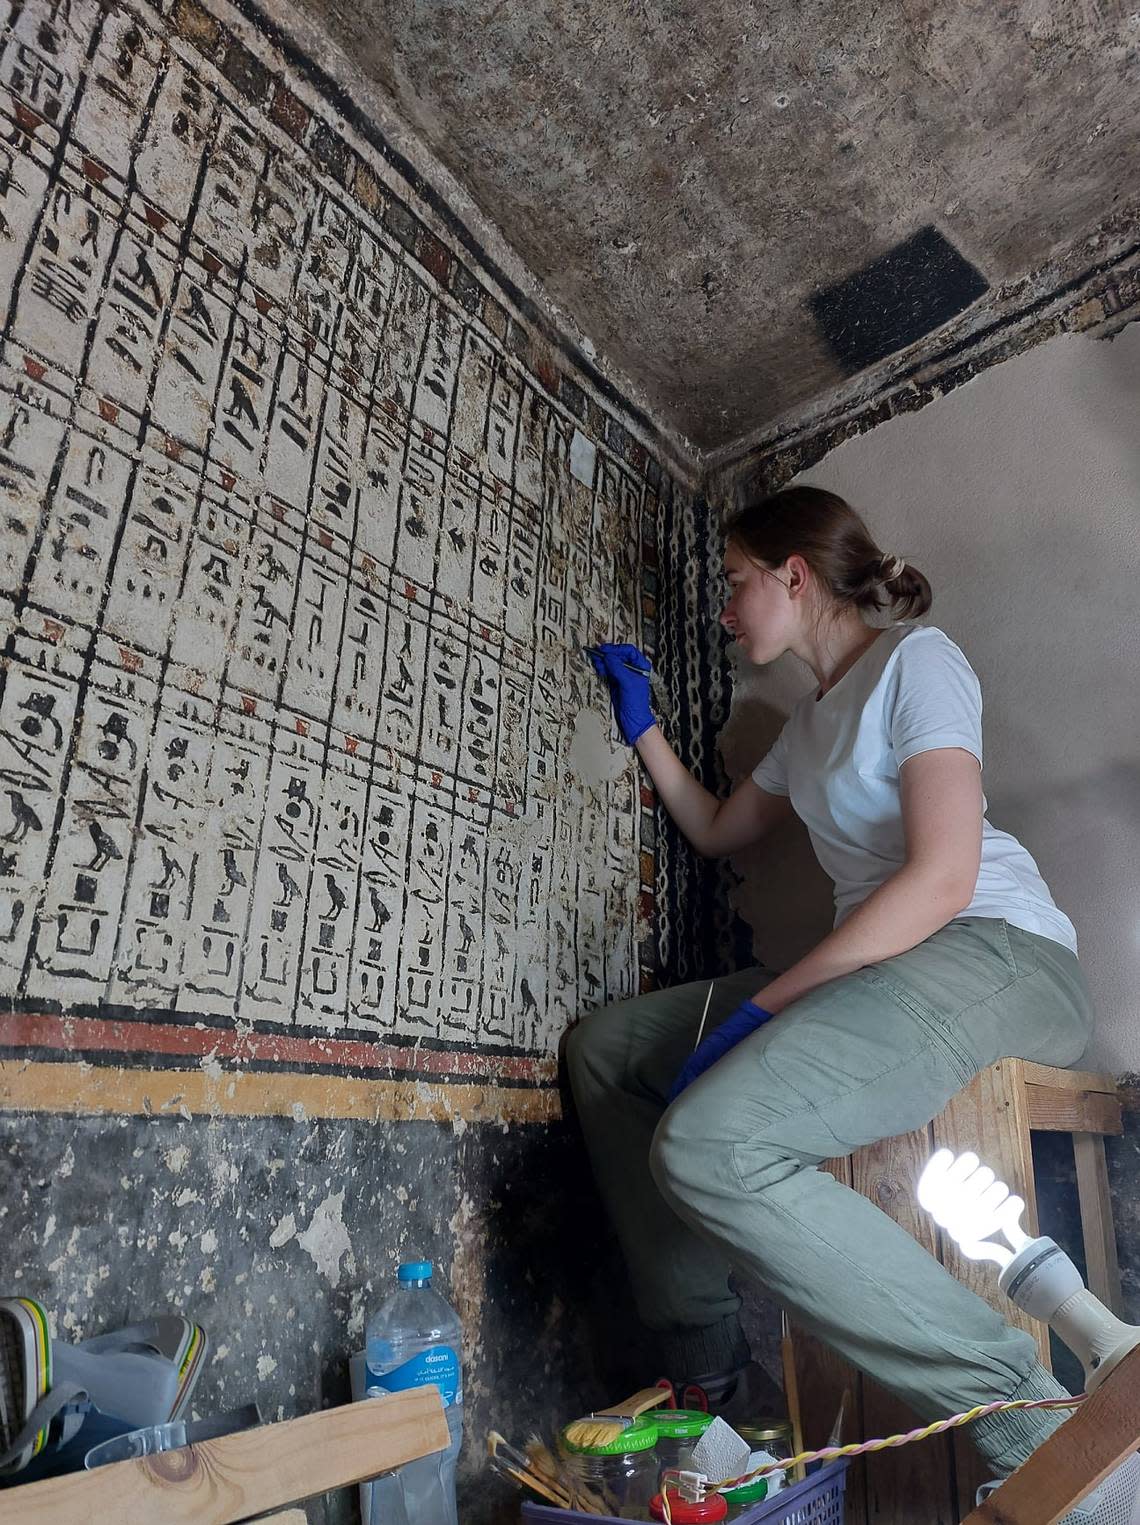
(797,575)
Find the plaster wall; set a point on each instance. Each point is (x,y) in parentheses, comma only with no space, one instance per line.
(1017,495)
(313,832)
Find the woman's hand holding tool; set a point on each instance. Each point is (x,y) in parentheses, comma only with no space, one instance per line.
(627,671)
(744,1020)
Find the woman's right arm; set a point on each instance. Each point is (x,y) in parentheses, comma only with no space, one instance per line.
(715,827)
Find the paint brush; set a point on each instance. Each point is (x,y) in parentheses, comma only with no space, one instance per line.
(604,1425)
(532,1483)
(509,1462)
(545,1463)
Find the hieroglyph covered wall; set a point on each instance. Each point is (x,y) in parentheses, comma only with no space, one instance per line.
(306,797)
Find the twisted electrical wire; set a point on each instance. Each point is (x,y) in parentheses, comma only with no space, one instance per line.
(832,1453)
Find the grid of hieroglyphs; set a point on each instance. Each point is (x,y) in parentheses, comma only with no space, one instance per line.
(299,553)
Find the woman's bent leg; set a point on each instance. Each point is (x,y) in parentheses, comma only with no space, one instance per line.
(622,1059)
(876,1053)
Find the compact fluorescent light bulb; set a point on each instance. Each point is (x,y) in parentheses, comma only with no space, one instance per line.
(965,1198)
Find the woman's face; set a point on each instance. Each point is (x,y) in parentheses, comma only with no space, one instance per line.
(759,615)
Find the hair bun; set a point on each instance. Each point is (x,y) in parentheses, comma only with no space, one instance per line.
(891,568)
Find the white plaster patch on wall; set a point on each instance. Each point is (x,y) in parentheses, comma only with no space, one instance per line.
(66,1256)
(357,1313)
(299,565)
(286,1229)
(326,1238)
(583,456)
(592,756)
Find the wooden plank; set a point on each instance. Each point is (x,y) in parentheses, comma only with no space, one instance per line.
(1103,1272)
(289,1517)
(1056,1110)
(821,1379)
(1098,1437)
(991,1117)
(235,1476)
(1066,1080)
(915,1482)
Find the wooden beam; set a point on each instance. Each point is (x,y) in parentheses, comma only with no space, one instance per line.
(991,1115)
(236,1476)
(1103,1272)
(912,1483)
(1058,1109)
(1102,1433)
(1066,1080)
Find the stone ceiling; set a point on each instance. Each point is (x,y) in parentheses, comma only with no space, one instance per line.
(684,176)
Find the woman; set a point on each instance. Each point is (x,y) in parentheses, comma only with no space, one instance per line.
(947,954)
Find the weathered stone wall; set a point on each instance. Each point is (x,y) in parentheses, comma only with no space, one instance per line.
(313,838)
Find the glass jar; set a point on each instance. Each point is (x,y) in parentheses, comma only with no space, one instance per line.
(771,1435)
(620,1477)
(711,1509)
(678,1431)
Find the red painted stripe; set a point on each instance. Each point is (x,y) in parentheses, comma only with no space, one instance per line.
(40,1030)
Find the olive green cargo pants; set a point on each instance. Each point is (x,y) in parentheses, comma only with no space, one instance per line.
(727,1179)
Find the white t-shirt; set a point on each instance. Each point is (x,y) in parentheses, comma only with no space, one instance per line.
(838,760)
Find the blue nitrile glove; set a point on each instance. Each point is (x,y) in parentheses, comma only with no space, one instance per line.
(745,1019)
(626,670)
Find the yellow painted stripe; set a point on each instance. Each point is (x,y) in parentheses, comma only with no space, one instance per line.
(81,1088)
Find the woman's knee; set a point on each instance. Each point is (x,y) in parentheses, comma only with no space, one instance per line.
(704,1149)
(593,1047)
(688,1139)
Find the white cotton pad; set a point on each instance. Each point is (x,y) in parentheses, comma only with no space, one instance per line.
(720,1453)
(764,1459)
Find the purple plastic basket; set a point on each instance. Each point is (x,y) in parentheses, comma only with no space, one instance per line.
(818,1500)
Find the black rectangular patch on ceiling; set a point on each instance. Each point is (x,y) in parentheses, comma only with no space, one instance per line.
(911,290)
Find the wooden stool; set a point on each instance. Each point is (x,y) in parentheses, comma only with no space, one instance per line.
(935,1480)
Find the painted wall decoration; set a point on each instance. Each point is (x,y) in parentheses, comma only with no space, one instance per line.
(302,536)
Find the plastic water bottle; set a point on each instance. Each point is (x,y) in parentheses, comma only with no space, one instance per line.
(415,1338)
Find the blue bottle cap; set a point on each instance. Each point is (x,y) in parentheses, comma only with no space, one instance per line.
(414,1270)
